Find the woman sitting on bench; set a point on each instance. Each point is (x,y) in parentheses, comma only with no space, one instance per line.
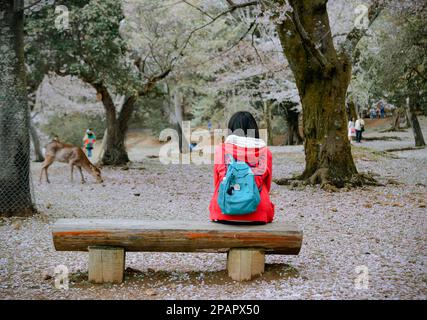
(246,148)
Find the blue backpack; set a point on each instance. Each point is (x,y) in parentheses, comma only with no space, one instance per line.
(238,192)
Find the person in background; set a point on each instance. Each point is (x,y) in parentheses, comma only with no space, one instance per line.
(378,112)
(351,130)
(89,141)
(360,127)
(209,126)
(192,146)
(372,113)
(382,110)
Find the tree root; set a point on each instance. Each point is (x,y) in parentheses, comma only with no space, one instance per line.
(321,177)
(383,138)
(27,212)
(393,130)
(288,181)
(364,179)
(404,149)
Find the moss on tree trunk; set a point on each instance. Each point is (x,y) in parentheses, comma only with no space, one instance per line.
(322,77)
(327,149)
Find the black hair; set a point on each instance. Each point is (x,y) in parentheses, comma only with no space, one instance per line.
(241,122)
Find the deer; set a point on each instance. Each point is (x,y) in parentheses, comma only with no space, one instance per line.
(71,154)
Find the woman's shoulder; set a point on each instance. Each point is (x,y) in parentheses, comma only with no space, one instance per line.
(265,153)
(268,152)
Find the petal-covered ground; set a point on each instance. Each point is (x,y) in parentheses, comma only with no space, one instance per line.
(379,231)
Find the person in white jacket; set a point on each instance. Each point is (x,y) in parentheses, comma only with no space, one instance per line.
(360,127)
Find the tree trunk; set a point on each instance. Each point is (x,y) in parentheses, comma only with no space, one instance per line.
(327,149)
(400,112)
(412,116)
(102,148)
(293,135)
(396,122)
(36,143)
(407,121)
(322,77)
(15,190)
(115,150)
(123,123)
(179,118)
(352,112)
(267,121)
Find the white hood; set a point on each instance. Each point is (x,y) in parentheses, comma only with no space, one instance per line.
(245,142)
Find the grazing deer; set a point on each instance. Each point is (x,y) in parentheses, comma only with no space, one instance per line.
(73,155)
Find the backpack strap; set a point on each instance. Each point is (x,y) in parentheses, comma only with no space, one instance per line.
(232,160)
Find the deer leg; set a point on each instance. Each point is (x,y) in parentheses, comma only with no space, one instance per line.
(47,177)
(81,173)
(41,171)
(47,162)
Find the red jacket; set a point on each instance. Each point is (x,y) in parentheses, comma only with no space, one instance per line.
(258,157)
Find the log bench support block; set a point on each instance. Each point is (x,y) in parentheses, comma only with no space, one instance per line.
(244,264)
(106,264)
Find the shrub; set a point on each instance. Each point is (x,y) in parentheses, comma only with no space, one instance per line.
(70,128)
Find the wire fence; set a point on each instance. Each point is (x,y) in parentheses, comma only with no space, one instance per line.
(16,190)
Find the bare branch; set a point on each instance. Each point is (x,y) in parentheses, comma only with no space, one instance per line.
(253,44)
(356,33)
(153,80)
(197,8)
(31,5)
(419,73)
(230,9)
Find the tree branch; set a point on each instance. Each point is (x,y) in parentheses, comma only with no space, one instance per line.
(153,80)
(232,46)
(31,5)
(107,101)
(253,44)
(231,8)
(356,34)
(419,73)
(197,8)
(308,42)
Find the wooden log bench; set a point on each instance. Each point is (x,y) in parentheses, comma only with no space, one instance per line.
(108,240)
